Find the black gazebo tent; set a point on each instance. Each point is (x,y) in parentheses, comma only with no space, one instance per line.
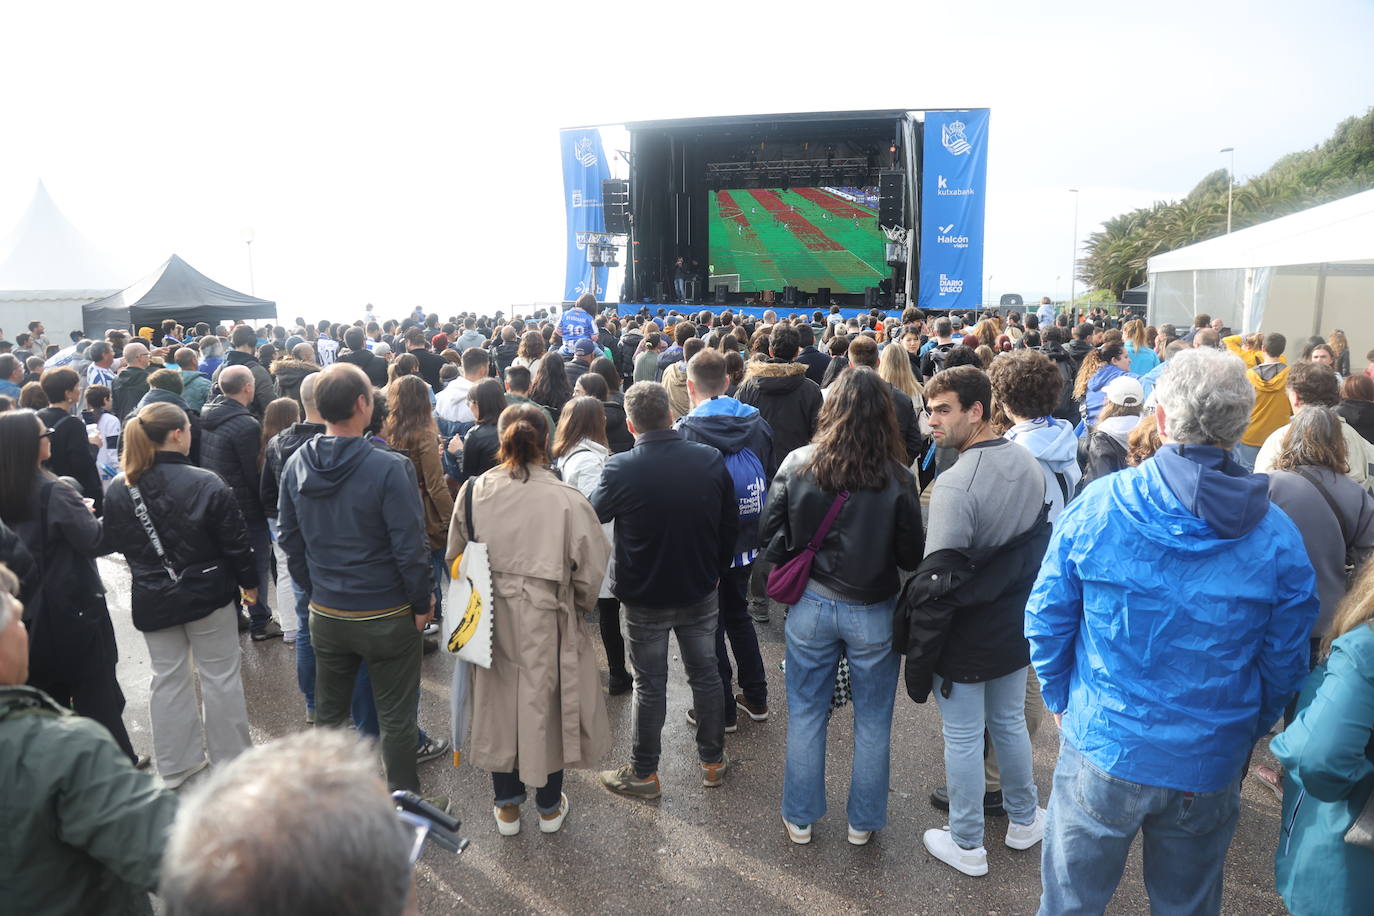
(175,290)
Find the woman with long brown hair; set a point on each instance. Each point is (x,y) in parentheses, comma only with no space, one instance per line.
(549,385)
(410,428)
(1328,774)
(1340,349)
(582,448)
(854,474)
(538,709)
(192,619)
(280,414)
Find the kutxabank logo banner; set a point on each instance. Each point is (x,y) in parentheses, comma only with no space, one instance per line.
(953,185)
(584,168)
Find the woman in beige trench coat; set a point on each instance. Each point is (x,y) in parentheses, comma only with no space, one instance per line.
(538,709)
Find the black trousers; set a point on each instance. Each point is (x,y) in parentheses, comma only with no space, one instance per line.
(81,676)
(608,610)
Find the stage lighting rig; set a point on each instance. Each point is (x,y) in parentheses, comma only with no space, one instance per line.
(600,248)
(897,248)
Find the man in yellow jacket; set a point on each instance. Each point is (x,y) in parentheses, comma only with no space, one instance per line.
(1272,409)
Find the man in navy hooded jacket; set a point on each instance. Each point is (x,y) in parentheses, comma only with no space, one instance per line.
(745,440)
(1168,627)
(354,534)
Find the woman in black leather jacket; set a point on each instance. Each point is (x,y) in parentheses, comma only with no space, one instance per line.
(848,604)
(205,543)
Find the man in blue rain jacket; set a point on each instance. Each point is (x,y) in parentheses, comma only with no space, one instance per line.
(1168,627)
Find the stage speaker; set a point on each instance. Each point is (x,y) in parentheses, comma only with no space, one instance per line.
(789,295)
(823,296)
(891,199)
(615,205)
(721,290)
(870,297)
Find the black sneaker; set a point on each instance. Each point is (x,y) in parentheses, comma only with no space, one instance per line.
(992,802)
(431,750)
(245,622)
(619,683)
(730,727)
(271,631)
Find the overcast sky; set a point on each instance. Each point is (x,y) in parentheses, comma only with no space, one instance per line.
(408,154)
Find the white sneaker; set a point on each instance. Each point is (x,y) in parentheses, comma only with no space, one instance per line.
(431,629)
(507,819)
(859,837)
(550,823)
(177,780)
(797,834)
(941,845)
(1024,836)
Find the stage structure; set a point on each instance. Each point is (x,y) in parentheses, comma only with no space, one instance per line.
(858,209)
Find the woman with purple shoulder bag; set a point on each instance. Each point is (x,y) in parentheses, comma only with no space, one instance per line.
(842,515)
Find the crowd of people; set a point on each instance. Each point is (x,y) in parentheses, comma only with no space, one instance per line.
(1155,535)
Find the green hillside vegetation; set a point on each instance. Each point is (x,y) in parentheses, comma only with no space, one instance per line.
(1341,166)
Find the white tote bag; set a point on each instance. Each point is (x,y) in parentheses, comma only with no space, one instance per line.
(469,608)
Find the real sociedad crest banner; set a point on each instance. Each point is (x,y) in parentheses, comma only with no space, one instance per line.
(953,181)
(584,167)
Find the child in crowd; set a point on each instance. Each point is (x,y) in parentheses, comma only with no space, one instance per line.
(105,436)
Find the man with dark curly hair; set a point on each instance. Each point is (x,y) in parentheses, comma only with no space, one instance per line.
(1028,386)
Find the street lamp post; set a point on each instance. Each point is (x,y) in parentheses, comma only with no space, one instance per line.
(1073,261)
(248,236)
(1230,183)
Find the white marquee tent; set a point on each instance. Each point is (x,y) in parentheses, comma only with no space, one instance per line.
(49,270)
(1300,275)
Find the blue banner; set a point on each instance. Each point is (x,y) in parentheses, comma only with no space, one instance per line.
(954,171)
(584,168)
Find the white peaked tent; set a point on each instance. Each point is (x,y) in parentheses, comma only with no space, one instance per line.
(1301,275)
(48,271)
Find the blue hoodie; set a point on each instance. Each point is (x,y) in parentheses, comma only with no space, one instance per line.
(732,427)
(1055,446)
(1096,396)
(1170,619)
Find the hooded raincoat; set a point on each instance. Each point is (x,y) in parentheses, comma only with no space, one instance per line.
(731,427)
(1328,758)
(1272,408)
(1170,684)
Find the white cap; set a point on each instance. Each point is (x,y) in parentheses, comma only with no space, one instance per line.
(1125,391)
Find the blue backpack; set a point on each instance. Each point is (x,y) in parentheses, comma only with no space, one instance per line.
(751,486)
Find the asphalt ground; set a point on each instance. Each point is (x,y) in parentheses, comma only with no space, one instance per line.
(698,850)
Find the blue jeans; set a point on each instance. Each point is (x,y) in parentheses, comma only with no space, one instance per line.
(1093,817)
(999,706)
(305,651)
(260,539)
(1245,455)
(818,629)
(510,790)
(436,560)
